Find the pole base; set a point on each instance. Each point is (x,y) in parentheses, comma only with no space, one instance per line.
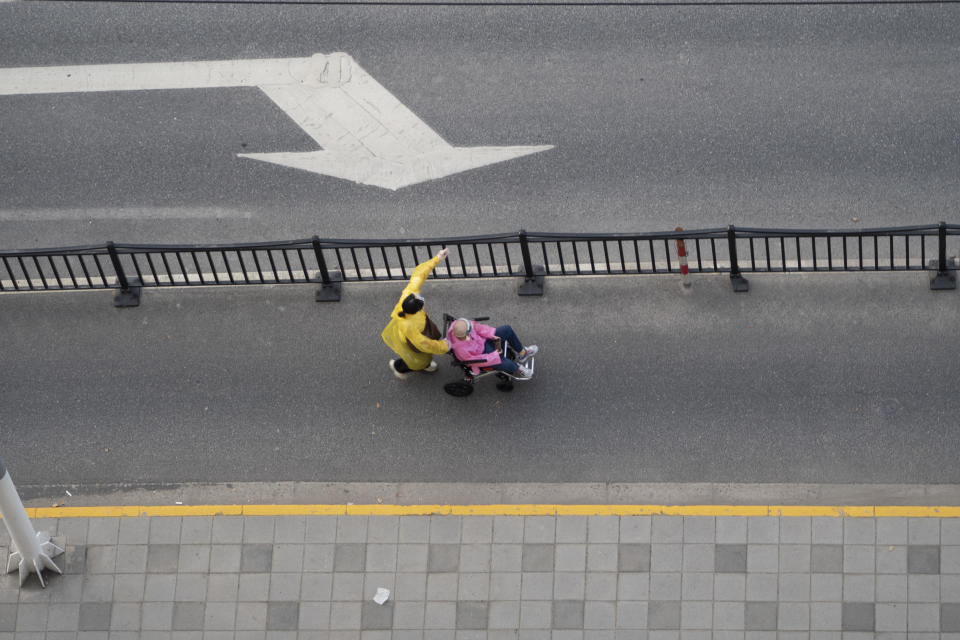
(329,292)
(533,286)
(41,560)
(739,284)
(944,280)
(129,297)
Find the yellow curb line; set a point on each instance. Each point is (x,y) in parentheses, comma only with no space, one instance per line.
(860,511)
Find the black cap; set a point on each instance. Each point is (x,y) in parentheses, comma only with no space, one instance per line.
(412,303)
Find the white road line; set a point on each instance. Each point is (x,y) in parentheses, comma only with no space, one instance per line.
(125,213)
(366,134)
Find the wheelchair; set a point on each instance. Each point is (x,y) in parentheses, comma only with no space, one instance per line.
(464,387)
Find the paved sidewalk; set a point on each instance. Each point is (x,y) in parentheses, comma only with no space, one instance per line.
(496,577)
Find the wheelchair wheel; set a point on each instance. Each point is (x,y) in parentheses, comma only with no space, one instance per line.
(459,389)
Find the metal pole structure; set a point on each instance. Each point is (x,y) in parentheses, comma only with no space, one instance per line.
(532,284)
(945,278)
(329,288)
(682,255)
(129,294)
(32,551)
(738,282)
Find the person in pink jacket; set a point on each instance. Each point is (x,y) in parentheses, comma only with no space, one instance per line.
(475,341)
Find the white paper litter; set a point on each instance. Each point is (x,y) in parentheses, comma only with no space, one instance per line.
(382,595)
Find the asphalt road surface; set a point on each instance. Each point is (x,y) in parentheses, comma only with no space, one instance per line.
(815,378)
(781,116)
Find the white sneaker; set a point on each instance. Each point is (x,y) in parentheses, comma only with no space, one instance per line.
(524,373)
(400,376)
(528,352)
(432,366)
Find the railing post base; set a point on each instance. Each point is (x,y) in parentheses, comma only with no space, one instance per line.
(739,283)
(944,279)
(533,286)
(129,297)
(329,292)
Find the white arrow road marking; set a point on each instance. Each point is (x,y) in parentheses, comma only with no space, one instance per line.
(366,134)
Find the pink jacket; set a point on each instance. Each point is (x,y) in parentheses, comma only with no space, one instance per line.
(472,347)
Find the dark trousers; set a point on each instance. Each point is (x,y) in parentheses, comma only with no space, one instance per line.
(401,366)
(508,335)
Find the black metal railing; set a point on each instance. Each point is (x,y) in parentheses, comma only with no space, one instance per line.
(531,256)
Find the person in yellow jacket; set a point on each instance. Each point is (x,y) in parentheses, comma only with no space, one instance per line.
(409,325)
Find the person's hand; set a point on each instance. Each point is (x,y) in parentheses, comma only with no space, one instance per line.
(443,254)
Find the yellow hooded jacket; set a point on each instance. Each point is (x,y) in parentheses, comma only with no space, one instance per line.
(408,329)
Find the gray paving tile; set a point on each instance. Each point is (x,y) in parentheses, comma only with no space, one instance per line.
(663,614)
(476,530)
(442,586)
(376,616)
(472,615)
(631,586)
(541,529)
(666,529)
(763,530)
(571,557)
(285,586)
(159,587)
(602,557)
(443,558)
(596,615)
(568,585)
(536,586)
(760,616)
(795,558)
(859,588)
(163,531)
(65,617)
(696,586)
(408,615)
(698,557)
(223,587)
(8,617)
(950,559)
(729,615)
(445,529)
(504,615)
(573,530)
(797,530)
(859,558)
(505,586)
(631,615)
(188,616)
(633,530)
(409,586)
(128,587)
(287,558)
(633,557)
(258,530)
(226,530)
(923,617)
(505,557)
(859,531)
(891,588)
(859,616)
(536,614)
(131,558)
(729,586)
(891,531)
(220,616)
(603,529)
(191,587)
(892,559)
(507,529)
(412,557)
(320,529)
(826,616)
(794,587)
(33,616)
(699,529)
(567,614)
(345,616)
(440,615)
(252,616)
(537,557)
(156,616)
(923,531)
(950,588)
(826,558)
(923,559)
(665,586)
(827,530)
(163,558)
(730,558)
(731,530)
(75,560)
(475,558)
(196,530)
(318,557)
(254,587)
(474,586)
(601,586)
(762,558)
(696,614)
(666,557)
(923,588)
(283,616)
(349,556)
(891,617)
(97,588)
(793,616)
(950,617)
(347,586)
(101,559)
(103,531)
